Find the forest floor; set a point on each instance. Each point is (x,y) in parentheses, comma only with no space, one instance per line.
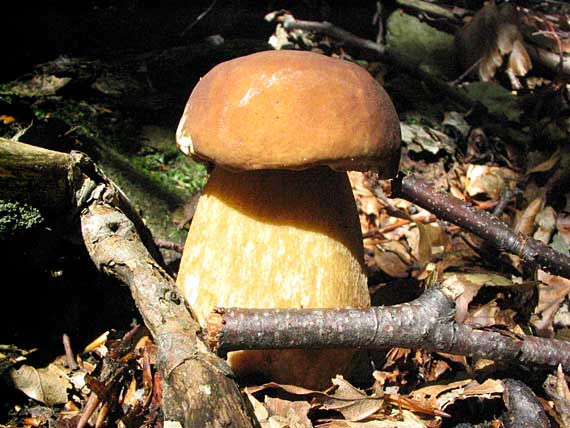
(496,138)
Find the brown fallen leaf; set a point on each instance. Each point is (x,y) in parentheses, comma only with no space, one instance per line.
(526,220)
(551,293)
(426,240)
(525,224)
(563,227)
(493,34)
(444,395)
(489,181)
(471,283)
(545,224)
(557,389)
(393,258)
(544,165)
(47,385)
(353,403)
(285,413)
(399,419)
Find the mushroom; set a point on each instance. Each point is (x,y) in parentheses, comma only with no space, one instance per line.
(277,225)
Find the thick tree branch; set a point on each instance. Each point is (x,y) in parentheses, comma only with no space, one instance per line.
(426,323)
(199,388)
(480,223)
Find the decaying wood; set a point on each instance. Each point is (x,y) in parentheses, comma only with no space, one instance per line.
(482,224)
(36,176)
(199,388)
(427,323)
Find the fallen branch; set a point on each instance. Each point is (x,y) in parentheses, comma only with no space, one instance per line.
(481,223)
(426,323)
(199,390)
(455,14)
(552,61)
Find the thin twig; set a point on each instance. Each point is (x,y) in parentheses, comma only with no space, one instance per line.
(69,357)
(88,410)
(198,19)
(331,30)
(169,245)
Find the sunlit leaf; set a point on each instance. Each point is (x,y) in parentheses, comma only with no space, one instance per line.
(47,385)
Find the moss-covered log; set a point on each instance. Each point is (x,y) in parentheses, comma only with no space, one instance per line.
(36,176)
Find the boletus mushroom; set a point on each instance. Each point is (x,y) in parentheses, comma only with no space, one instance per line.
(277,225)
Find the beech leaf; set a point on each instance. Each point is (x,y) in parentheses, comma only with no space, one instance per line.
(492,35)
(551,293)
(557,389)
(490,181)
(353,403)
(47,385)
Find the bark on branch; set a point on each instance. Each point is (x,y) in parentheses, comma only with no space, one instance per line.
(426,323)
(199,389)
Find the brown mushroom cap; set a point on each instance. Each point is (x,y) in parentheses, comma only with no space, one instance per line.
(291,110)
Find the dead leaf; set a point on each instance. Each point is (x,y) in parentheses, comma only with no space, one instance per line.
(399,419)
(557,389)
(419,138)
(353,403)
(47,385)
(545,165)
(261,412)
(489,181)
(10,355)
(456,121)
(563,227)
(471,283)
(369,206)
(393,258)
(551,293)
(546,222)
(425,240)
(291,389)
(491,314)
(292,414)
(447,394)
(492,34)
(525,221)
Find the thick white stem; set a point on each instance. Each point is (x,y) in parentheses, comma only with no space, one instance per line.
(277,239)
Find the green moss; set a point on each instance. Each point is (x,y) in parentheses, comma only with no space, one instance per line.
(16,217)
(172,170)
(412,38)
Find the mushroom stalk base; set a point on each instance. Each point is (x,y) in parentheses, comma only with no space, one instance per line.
(277,239)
